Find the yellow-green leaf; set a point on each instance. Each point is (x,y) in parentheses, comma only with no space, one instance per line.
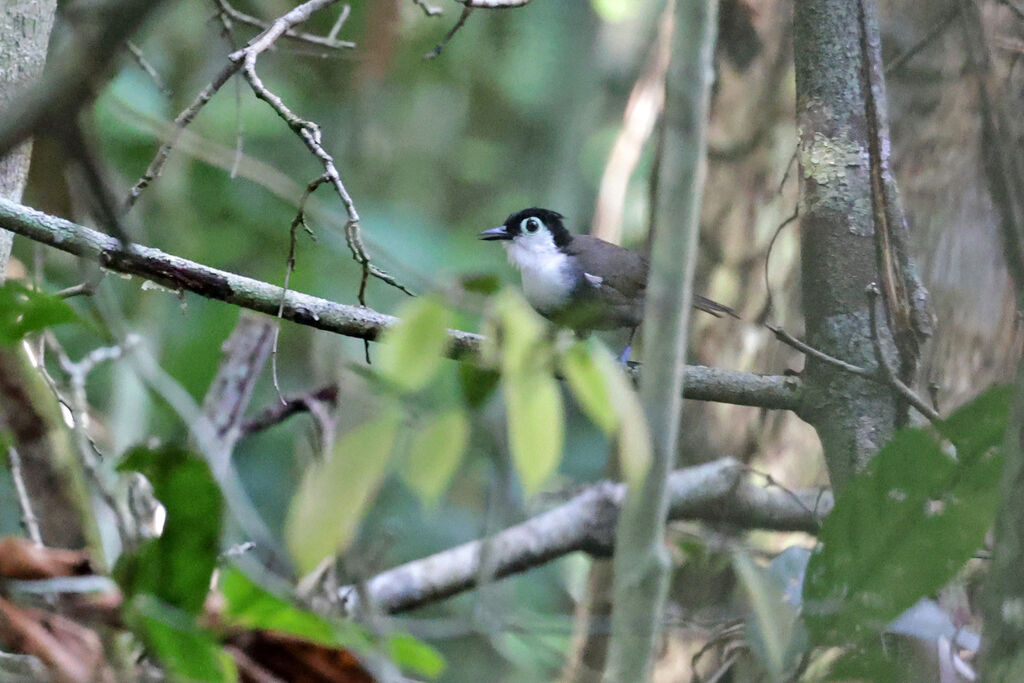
(535,427)
(325,512)
(521,331)
(435,453)
(589,384)
(634,442)
(411,349)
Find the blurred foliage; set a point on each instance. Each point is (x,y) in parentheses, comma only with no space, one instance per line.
(521,109)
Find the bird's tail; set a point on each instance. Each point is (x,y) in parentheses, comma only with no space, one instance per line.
(713,307)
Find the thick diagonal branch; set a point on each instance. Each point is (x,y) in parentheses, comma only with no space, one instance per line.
(719,491)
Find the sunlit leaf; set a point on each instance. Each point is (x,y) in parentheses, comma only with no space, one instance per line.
(325,512)
(634,441)
(411,350)
(589,385)
(188,652)
(176,567)
(435,453)
(535,427)
(775,633)
(906,525)
(415,655)
(24,310)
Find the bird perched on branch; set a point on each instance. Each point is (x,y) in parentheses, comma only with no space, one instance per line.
(579,281)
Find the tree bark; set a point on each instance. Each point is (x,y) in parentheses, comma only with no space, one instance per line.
(846,219)
(24,34)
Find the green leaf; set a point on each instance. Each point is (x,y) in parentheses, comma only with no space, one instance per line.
(188,652)
(521,333)
(871,664)
(775,633)
(326,510)
(634,441)
(24,310)
(176,567)
(249,605)
(535,427)
(486,283)
(435,453)
(477,383)
(906,525)
(411,349)
(590,385)
(412,654)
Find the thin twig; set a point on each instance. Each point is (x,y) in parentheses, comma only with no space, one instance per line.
(28,517)
(309,133)
(144,64)
(323,41)
(279,412)
(494,4)
(768,255)
(466,11)
(428,9)
(937,30)
(300,219)
(790,340)
(888,373)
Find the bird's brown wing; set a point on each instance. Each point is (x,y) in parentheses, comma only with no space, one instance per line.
(625,278)
(622,276)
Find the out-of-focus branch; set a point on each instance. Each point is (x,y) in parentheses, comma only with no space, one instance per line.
(719,491)
(701,383)
(75,74)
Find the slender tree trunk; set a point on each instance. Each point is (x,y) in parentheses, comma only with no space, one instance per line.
(24,34)
(848,212)
(641,563)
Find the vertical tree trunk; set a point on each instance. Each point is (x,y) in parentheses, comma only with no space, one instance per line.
(24,34)
(840,124)
(641,563)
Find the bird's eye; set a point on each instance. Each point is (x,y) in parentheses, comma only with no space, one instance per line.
(530,225)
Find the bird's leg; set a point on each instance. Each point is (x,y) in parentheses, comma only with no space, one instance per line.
(624,356)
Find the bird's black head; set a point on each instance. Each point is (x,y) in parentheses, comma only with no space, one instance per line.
(530,221)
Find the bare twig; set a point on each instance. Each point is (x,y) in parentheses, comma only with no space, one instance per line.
(790,340)
(466,11)
(300,219)
(768,255)
(717,491)
(144,64)
(309,133)
(279,412)
(885,367)
(428,9)
(281,26)
(28,517)
(701,383)
(494,4)
(937,30)
(328,41)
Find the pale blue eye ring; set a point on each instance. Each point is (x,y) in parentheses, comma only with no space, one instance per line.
(530,224)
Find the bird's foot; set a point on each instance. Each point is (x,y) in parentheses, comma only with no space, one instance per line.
(624,356)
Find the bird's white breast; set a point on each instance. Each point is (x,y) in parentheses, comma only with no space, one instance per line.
(548,278)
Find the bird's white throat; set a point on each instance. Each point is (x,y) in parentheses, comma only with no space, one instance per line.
(547,275)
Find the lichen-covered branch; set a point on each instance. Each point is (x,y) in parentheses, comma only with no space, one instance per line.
(719,491)
(702,383)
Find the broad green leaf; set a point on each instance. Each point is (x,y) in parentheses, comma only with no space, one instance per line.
(188,652)
(634,441)
(521,332)
(24,310)
(415,655)
(249,605)
(411,350)
(435,453)
(535,427)
(326,510)
(590,385)
(906,525)
(176,567)
(477,383)
(871,663)
(775,633)
(487,283)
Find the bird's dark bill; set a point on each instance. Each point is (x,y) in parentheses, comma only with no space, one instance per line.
(498,233)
